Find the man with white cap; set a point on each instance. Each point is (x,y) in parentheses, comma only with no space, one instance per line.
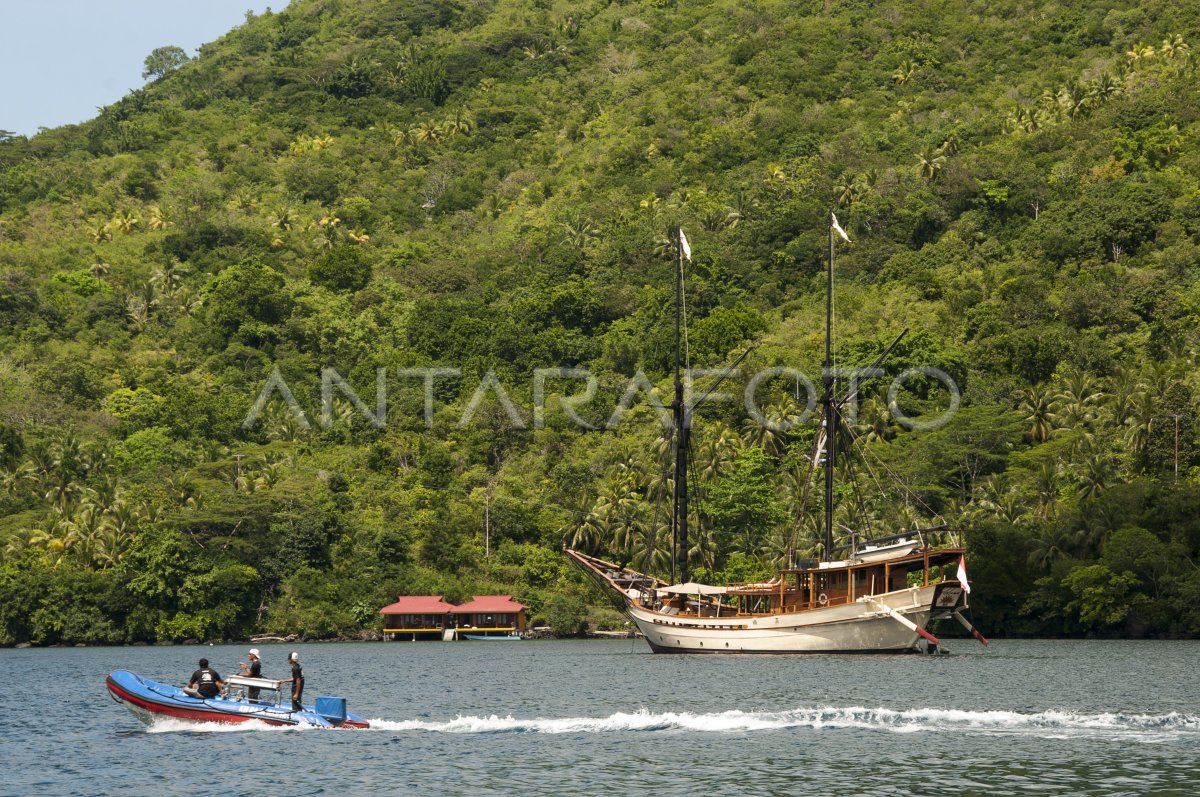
(252,670)
(297,681)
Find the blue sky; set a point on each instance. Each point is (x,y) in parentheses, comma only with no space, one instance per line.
(61,59)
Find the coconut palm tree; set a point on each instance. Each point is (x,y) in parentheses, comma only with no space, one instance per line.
(1050,546)
(125,222)
(1142,421)
(1105,88)
(1096,473)
(1123,388)
(99,268)
(904,73)
(1037,407)
(930,162)
(158,219)
(1045,484)
(579,232)
(1078,401)
(167,278)
(459,124)
(1074,99)
(283,217)
(1174,46)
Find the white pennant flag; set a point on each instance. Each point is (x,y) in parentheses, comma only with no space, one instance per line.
(683,245)
(962,574)
(838,228)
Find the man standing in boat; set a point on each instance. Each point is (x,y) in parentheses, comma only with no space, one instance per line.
(297,681)
(252,670)
(206,682)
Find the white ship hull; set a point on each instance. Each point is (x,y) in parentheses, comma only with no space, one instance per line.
(859,627)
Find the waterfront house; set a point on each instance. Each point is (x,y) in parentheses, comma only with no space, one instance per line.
(491,614)
(415,617)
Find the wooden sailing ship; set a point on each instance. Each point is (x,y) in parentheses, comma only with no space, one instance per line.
(880,597)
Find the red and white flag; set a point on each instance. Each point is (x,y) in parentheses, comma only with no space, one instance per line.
(962,574)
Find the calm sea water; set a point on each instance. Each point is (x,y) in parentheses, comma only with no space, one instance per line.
(609,718)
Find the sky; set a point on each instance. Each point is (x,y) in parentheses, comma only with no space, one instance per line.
(62,59)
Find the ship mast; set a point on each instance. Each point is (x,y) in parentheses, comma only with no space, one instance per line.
(830,414)
(683,422)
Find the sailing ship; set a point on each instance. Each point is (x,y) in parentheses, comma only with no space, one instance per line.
(878,597)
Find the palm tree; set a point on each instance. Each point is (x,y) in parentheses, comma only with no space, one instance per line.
(1073,98)
(930,162)
(138,313)
(1105,88)
(459,124)
(1139,52)
(168,278)
(579,232)
(158,219)
(769,436)
(1050,105)
(101,231)
(1006,506)
(1045,485)
(875,423)
(1174,46)
(1141,421)
(1097,472)
(283,217)
(1051,545)
(590,533)
(1078,401)
(99,268)
(904,73)
(1037,405)
(125,222)
(1123,390)
(849,191)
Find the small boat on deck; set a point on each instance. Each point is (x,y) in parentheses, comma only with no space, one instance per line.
(149,700)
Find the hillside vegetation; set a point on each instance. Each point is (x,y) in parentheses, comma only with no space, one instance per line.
(492,185)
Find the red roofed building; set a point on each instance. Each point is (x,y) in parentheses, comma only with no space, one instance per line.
(491,613)
(429,617)
(421,616)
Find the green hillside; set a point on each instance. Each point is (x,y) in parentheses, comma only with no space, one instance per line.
(492,185)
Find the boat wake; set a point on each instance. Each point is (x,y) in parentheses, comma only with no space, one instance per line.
(174,725)
(1051,724)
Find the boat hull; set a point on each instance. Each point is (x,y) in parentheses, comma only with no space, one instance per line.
(859,627)
(486,638)
(151,701)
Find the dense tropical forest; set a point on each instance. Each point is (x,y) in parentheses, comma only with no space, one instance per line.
(491,186)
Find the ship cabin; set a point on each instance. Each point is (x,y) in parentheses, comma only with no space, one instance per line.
(815,585)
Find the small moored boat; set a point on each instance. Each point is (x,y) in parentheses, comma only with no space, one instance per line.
(149,700)
(495,638)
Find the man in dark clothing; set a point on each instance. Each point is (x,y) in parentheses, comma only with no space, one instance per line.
(206,682)
(297,681)
(252,670)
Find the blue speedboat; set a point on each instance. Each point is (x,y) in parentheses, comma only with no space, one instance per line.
(149,700)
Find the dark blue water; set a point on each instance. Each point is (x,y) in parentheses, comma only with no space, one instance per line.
(600,717)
